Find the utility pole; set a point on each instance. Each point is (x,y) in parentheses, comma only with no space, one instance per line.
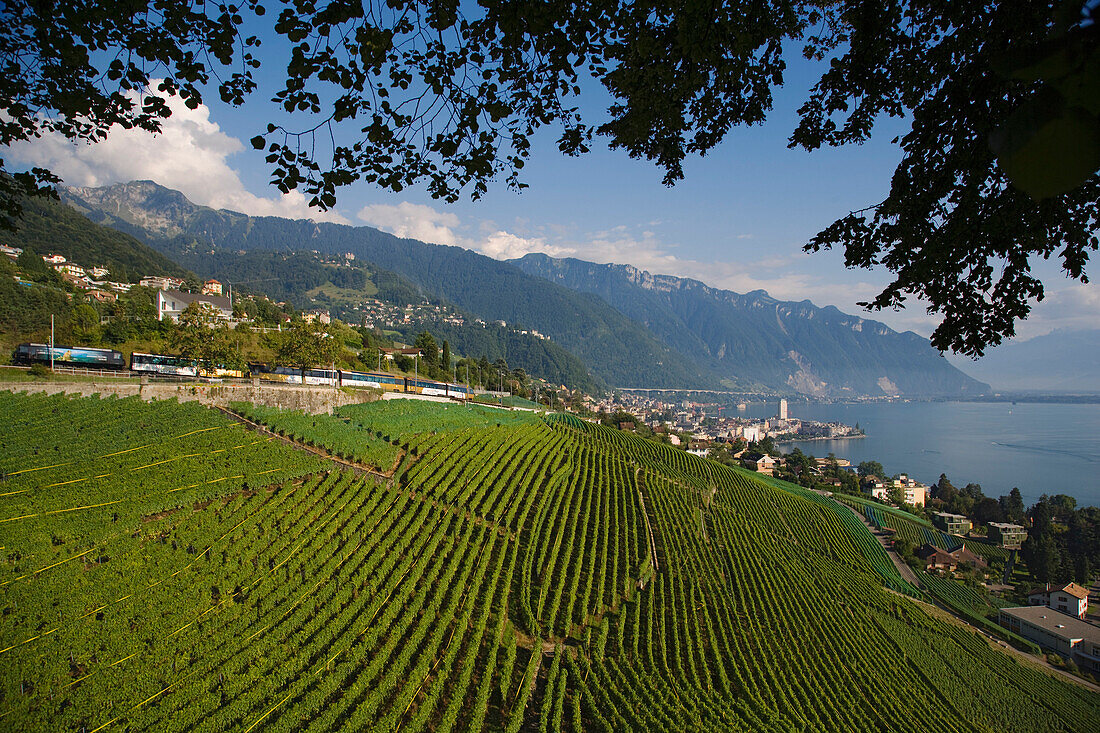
(51,342)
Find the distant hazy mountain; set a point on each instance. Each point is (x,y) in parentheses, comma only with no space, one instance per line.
(1030,366)
(817,351)
(614,347)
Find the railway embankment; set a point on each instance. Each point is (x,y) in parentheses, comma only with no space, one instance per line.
(311,399)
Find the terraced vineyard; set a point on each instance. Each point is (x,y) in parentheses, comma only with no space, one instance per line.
(528,576)
(395,418)
(336,434)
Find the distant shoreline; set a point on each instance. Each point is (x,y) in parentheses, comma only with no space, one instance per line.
(808,440)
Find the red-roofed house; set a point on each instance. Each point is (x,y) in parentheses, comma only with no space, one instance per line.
(1068,598)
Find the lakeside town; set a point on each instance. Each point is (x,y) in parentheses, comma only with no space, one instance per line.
(703,424)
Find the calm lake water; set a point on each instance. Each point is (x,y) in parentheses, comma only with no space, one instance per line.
(1040,448)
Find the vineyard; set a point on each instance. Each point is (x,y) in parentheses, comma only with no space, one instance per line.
(918,530)
(336,434)
(166,569)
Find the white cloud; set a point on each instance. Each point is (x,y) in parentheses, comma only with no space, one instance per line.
(413,221)
(418,221)
(504,245)
(190,154)
(1073,306)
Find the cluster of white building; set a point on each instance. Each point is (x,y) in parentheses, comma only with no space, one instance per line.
(92,279)
(916,493)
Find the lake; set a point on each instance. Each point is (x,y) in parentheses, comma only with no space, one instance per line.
(1039,448)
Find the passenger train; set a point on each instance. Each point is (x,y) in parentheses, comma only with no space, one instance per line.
(183,367)
(347,378)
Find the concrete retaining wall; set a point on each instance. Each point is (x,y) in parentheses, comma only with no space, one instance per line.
(313,400)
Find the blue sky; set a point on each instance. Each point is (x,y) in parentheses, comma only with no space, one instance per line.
(738,220)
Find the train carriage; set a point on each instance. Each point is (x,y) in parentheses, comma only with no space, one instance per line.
(426,387)
(375,380)
(458,391)
(161,364)
(220,371)
(72,356)
(289,375)
(436,389)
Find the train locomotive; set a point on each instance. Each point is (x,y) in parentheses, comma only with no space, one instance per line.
(69,356)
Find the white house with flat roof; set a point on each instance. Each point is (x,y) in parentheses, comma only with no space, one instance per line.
(1069,636)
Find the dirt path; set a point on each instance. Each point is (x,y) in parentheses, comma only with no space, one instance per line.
(648,528)
(905,571)
(361,468)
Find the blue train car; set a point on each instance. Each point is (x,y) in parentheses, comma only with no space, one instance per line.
(73,356)
(436,389)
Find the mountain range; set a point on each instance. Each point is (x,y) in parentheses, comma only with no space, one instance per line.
(810,350)
(631,328)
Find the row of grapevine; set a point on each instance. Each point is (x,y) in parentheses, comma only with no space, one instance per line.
(338,435)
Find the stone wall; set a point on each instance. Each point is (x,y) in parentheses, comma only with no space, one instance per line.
(313,400)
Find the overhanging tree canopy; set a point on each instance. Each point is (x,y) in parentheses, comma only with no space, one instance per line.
(1000,164)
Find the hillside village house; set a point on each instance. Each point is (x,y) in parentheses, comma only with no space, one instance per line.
(751,433)
(161,282)
(1068,598)
(874,487)
(170,303)
(68,268)
(759,462)
(698,447)
(211,287)
(937,558)
(389,354)
(1070,637)
(321,317)
(54,259)
(952,523)
(1008,536)
(916,493)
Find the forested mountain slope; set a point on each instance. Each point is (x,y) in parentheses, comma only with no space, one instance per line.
(816,351)
(50,227)
(309,280)
(613,346)
(534,575)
